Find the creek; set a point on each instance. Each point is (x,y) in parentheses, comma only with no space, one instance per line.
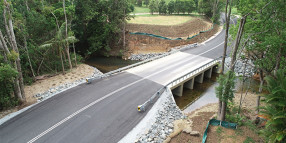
(107,64)
(205,93)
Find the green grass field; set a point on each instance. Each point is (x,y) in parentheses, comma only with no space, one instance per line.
(141,10)
(160,20)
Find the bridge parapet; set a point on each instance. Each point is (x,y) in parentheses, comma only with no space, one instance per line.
(186,80)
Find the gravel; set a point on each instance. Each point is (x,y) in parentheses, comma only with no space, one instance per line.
(163,123)
(240,66)
(53,91)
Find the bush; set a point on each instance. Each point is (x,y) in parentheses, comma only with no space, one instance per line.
(7,76)
(79,58)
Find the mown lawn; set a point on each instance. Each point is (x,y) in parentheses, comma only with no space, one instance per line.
(141,10)
(160,20)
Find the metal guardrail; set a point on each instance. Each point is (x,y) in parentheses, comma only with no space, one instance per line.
(89,80)
(143,106)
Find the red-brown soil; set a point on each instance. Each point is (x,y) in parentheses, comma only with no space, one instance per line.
(189,28)
(141,44)
(146,44)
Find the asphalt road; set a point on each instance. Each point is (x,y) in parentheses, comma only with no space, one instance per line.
(105,110)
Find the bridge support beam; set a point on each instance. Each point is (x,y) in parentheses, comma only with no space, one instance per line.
(189,84)
(199,78)
(178,91)
(208,73)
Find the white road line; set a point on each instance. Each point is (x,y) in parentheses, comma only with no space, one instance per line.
(106,96)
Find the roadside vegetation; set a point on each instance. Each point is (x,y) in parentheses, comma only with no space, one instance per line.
(51,37)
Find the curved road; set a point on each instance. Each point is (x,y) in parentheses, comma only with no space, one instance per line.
(105,110)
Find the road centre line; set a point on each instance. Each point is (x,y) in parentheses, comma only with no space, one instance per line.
(108,95)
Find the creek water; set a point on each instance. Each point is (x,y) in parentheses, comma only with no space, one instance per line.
(205,93)
(106,64)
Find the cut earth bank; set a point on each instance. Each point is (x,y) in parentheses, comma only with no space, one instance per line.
(141,44)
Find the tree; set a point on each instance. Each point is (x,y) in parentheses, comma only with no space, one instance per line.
(205,7)
(216,13)
(152,6)
(66,36)
(190,6)
(227,18)
(146,2)
(225,92)
(139,3)
(99,25)
(59,41)
(7,76)
(162,7)
(19,83)
(178,6)
(263,36)
(274,109)
(171,7)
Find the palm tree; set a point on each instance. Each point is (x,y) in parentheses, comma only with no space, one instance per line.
(59,41)
(275,108)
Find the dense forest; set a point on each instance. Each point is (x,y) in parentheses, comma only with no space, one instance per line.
(51,36)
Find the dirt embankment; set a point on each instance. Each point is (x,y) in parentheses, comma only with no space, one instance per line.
(138,44)
(50,81)
(198,119)
(182,30)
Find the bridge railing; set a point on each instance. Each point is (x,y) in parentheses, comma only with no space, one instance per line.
(89,80)
(190,74)
(178,80)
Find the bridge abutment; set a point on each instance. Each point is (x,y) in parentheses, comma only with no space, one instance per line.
(178,91)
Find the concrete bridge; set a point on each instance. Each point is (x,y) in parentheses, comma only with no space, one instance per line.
(196,76)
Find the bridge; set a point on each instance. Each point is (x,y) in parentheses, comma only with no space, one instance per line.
(105,110)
